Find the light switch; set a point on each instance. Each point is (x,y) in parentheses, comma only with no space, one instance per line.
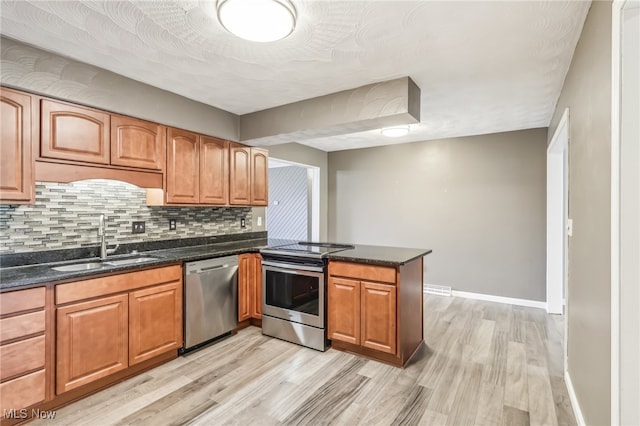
(570,227)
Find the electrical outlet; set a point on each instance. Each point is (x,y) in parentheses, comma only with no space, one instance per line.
(172,224)
(259,220)
(243,223)
(137,227)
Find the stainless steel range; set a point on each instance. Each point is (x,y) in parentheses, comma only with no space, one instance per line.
(294,289)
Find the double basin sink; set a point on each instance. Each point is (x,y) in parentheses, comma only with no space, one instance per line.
(86,266)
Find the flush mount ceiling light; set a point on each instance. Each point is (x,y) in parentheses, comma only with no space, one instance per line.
(395,132)
(257,20)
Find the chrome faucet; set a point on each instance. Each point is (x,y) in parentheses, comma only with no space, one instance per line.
(103,242)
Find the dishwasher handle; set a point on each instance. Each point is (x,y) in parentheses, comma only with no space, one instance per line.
(210,265)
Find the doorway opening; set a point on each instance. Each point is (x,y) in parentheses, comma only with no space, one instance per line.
(557,217)
(294,201)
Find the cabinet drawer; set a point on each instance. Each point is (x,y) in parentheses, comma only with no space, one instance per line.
(87,289)
(21,357)
(363,272)
(21,325)
(23,391)
(21,300)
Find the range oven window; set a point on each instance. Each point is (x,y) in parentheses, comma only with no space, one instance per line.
(294,292)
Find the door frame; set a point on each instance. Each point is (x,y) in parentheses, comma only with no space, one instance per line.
(557,216)
(624,244)
(313,197)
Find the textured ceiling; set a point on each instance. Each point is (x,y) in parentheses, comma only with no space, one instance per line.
(482,66)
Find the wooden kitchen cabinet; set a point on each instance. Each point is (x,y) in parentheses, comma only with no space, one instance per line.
(24,336)
(92,341)
(197,169)
(249,286)
(375,311)
(214,171)
(344,310)
(239,174)
(183,163)
(111,325)
(137,143)
(155,321)
(378,317)
(248,175)
(362,313)
(16,167)
(69,132)
(256,285)
(259,177)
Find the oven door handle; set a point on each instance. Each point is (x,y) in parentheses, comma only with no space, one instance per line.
(291,269)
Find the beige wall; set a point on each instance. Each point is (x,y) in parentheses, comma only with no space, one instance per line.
(478,202)
(587,94)
(303,154)
(35,70)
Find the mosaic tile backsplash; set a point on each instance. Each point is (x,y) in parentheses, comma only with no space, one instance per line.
(66,216)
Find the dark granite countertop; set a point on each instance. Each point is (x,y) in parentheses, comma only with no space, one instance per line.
(34,275)
(379,255)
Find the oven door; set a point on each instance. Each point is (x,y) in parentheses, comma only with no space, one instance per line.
(293,292)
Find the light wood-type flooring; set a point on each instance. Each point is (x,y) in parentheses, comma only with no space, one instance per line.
(483,364)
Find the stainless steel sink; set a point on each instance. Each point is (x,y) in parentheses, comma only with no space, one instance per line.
(78,267)
(87,266)
(130,261)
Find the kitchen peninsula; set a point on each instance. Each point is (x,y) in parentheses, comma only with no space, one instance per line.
(374,309)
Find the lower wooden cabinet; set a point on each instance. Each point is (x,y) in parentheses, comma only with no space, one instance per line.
(378,317)
(23,349)
(109,324)
(249,286)
(155,321)
(374,310)
(92,340)
(362,313)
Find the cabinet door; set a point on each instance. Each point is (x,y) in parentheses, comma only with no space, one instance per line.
(239,174)
(259,176)
(92,341)
(256,286)
(16,179)
(378,317)
(137,143)
(183,161)
(214,171)
(244,290)
(73,133)
(343,307)
(155,321)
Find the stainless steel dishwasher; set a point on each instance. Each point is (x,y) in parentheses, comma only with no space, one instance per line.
(211,300)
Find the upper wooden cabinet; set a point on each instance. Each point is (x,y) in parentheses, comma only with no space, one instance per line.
(69,132)
(16,177)
(248,170)
(137,143)
(259,176)
(197,169)
(183,163)
(85,135)
(214,171)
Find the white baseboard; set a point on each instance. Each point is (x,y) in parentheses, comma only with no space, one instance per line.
(500,299)
(574,400)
